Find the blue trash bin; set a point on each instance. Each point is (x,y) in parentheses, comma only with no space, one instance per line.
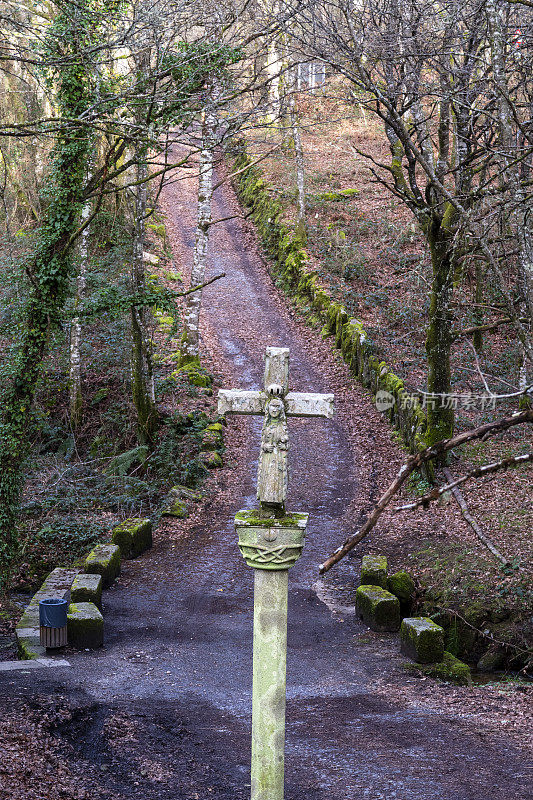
(53,622)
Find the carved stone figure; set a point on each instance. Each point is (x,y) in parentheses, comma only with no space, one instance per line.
(273,478)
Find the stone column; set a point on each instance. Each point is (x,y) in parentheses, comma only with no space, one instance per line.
(270,547)
(269,679)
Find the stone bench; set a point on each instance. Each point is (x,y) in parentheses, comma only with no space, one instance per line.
(87,588)
(374,571)
(104,560)
(85,626)
(56,586)
(422,640)
(378,608)
(133,536)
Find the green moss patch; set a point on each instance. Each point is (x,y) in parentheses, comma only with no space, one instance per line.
(177,508)
(253,519)
(211,459)
(195,375)
(450,669)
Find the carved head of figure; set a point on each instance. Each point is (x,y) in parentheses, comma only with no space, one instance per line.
(276,409)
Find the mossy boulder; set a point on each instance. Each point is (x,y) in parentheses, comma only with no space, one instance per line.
(422,640)
(85,626)
(177,508)
(211,459)
(87,589)
(133,536)
(104,560)
(402,586)
(195,375)
(374,571)
(494,659)
(450,669)
(212,440)
(378,608)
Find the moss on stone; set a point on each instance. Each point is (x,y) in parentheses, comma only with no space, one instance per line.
(450,669)
(176,509)
(85,626)
(378,608)
(374,571)
(253,519)
(29,648)
(212,440)
(104,560)
(422,640)
(402,586)
(215,426)
(211,459)
(195,374)
(133,536)
(87,588)
(183,492)
(460,638)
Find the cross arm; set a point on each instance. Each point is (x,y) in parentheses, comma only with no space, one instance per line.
(234,401)
(309,404)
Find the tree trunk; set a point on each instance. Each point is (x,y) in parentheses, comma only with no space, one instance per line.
(439,338)
(478,312)
(142,377)
(301,227)
(75,395)
(190,340)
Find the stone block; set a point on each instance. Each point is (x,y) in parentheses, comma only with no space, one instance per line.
(402,586)
(85,626)
(374,571)
(104,560)
(422,640)
(378,608)
(87,589)
(133,536)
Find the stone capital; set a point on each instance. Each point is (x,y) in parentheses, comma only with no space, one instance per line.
(270,544)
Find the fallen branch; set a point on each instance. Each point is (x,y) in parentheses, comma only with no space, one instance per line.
(478,472)
(487,326)
(200,286)
(461,502)
(414,462)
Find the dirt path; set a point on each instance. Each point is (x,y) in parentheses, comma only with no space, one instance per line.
(163,711)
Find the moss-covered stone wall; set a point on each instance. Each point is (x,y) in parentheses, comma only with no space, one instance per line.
(289,265)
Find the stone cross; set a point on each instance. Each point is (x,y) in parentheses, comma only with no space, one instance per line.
(271,540)
(275,403)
